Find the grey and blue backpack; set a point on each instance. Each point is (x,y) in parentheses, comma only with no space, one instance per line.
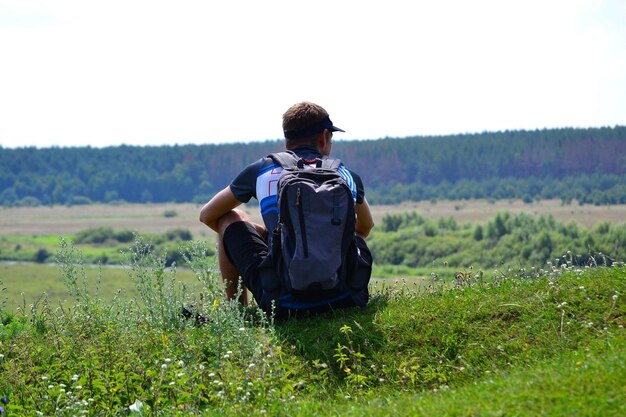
(313,259)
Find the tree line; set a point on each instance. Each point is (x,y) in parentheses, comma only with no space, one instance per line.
(587,165)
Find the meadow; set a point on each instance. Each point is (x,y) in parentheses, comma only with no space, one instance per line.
(506,342)
(33,233)
(500,344)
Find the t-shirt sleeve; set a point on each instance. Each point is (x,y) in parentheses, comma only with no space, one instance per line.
(360,190)
(244,184)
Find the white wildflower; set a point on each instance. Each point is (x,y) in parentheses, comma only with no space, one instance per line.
(137,406)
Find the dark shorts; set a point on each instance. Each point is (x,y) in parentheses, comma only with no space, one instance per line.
(246,249)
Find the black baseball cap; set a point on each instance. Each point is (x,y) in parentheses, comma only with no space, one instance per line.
(317,127)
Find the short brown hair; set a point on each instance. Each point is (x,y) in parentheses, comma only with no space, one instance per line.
(302,115)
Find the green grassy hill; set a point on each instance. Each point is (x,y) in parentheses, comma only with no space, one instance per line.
(550,345)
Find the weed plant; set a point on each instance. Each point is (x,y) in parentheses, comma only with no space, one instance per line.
(472,344)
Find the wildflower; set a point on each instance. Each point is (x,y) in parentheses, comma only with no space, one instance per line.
(75,378)
(164,366)
(251,365)
(242,329)
(78,387)
(4,400)
(1,410)
(172,383)
(137,406)
(216,304)
(1,356)
(44,378)
(181,363)
(614,297)
(167,360)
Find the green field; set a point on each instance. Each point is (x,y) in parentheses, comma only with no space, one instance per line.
(25,283)
(552,345)
(494,343)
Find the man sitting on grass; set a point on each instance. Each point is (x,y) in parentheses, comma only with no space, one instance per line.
(243,246)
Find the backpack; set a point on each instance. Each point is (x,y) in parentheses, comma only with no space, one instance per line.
(313,253)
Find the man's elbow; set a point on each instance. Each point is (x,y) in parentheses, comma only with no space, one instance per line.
(206,218)
(364,230)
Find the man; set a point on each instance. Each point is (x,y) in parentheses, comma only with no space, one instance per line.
(242,244)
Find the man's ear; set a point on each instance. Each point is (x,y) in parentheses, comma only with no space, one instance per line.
(322,139)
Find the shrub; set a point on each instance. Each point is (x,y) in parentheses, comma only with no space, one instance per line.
(170,213)
(42,255)
(179,234)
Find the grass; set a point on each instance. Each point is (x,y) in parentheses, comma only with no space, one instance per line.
(25,283)
(551,344)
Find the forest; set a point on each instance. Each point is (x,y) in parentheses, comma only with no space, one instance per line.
(585,165)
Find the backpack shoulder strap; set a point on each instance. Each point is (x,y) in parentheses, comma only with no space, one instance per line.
(285,159)
(331,163)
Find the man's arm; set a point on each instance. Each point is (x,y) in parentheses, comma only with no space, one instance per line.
(222,203)
(364,219)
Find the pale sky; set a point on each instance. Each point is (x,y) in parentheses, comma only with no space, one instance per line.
(146,72)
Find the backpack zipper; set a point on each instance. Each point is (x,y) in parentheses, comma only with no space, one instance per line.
(305,244)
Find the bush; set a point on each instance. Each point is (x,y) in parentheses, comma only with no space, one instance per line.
(170,213)
(179,234)
(42,256)
(94,235)
(28,201)
(79,200)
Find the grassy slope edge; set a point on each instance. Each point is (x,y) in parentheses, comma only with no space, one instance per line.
(550,345)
